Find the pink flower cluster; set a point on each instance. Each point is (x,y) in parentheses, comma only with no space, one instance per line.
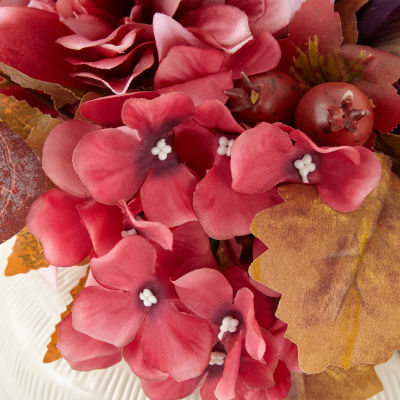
(146,178)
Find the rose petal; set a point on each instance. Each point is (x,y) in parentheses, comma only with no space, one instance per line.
(106,111)
(169,33)
(228,25)
(261,54)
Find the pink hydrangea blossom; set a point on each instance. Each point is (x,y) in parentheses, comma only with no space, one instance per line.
(265,156)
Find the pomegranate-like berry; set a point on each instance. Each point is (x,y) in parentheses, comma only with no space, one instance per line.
(335,114)
(271,97)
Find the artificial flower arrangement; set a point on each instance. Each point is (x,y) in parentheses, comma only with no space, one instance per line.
(219,169)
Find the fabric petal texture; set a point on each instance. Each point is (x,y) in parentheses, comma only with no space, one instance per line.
(54,219)
(82,352)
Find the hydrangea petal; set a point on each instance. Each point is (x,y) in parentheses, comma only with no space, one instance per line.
(82,352)
(107,315)
(126,266)
(183,350)
(255,345)
(54,220)
(156,117)
(104,224)
(57,155)
(259,159)
(226,386)
(167,196)
(105,159)
(204,291)
(155,231)
(224,212)
(133,355)
(169,389)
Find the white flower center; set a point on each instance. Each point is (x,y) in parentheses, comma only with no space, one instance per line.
(229,324)
(148,297)
(225,146)
(128,232)
(305,166)
(217,358)
(161,150)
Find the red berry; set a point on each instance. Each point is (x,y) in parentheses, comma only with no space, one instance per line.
(335,114)
(272,97)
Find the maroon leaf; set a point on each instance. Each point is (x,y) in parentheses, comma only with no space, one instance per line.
(21,182)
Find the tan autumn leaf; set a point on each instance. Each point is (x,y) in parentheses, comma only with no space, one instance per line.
(52,353)
(28,122)
(59,94)
(27,254)
(389,144)
(357,383)
(338,273)
(347,10)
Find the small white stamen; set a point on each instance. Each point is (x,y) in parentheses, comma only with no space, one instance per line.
(229,324)
(225,146)
(148,297)
(217,358)
(305,166)
(128,232)
(161,150)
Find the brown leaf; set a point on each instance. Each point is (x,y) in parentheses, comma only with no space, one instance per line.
(347,10)
(22,180)
(59,94)
(27,254)
(338,273)
(389,144)
(357,383)
(52,353)
(28,122)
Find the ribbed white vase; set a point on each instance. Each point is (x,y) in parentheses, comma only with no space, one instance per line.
(29,309)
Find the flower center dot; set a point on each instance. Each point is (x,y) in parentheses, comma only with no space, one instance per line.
(217,358)
(128,232)
(225,146)
(305,166)
(161,150)
(148,297)
(229,324)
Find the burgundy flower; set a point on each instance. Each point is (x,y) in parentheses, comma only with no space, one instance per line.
(207,293)
(222,211)
(140,156)
(264,156)
(135,301)
(181,52)
(231,375)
